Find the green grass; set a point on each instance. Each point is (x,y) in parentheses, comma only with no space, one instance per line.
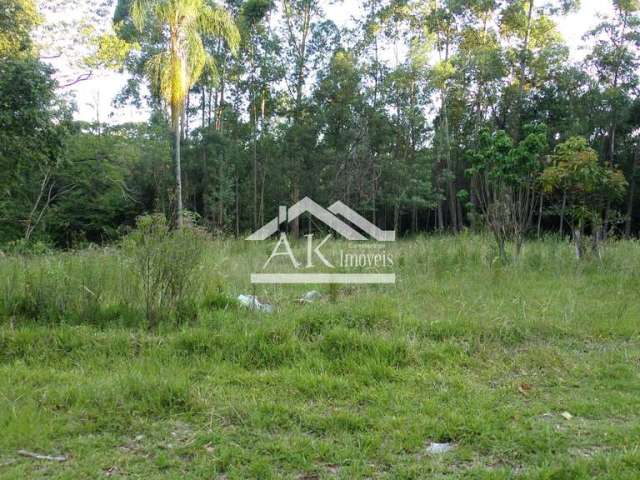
(463,349)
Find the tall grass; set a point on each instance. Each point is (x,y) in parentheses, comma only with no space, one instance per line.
(465,348)
(102,287)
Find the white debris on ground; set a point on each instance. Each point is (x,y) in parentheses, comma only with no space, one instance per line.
(311,297)
(253,303)
(40,456)
(438,448)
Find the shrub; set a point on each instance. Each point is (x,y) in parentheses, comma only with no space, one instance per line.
(219,300)
(27,247)
(165,261)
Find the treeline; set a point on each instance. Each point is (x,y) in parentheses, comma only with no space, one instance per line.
(423,115)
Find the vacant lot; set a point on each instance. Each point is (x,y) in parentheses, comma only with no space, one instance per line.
(528,369)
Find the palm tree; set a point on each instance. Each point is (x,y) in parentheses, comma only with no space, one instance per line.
(182,25)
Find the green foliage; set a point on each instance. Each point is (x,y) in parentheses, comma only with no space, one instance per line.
(99,199)
(507,176)
(110,50)
(263,116)
(219,301)
(504,163)
(255,11)
(17,19)
(589,184)
(165,261)
(176,69)
(26,247)
(34,126)
(482,356)
(310,109)
(81,288)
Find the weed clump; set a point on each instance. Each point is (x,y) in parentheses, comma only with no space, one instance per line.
(165,260)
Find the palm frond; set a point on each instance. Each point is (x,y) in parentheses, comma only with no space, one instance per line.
(211,69)
(139,12)
(154,68)
(217,21)
(195,58)
(174,71)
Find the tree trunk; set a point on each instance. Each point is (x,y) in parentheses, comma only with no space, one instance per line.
(451,179)
(254,135)
(221,205)
(204,105)
(264,178)
(237,208)
(209,103)
(220,107)
(396,217)
(605,227)
(414,219)
(540,215)
(204,175)
(295,197)
(373,197)
(632,192)
(577,236)
(596,237)
(523,76)
(519,241)
(301,57)
(178,175)
(564,206)
(255,180)
(185,119)
(501,248)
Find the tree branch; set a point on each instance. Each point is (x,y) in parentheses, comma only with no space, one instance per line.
(81,78)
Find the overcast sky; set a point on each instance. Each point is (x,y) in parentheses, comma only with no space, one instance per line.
(104,86)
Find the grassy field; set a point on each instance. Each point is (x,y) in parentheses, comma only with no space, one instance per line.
(464,350)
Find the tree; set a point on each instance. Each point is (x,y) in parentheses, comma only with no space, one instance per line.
(589,186)
(535,45)
(634,142)
(299,15)
(307,39)
(34,126)
(17,20)
(386,115)
(96,170)
(508,174)
(615,62)
(181,24)
(254,16)
(438,29)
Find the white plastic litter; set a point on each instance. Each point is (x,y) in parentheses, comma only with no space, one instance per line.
(438,448)
(253,303)
(311,297)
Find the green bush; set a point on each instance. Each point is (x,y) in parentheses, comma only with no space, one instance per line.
(165,261)
(219,300)
(26,247)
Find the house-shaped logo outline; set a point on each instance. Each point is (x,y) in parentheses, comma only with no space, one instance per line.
(327,216)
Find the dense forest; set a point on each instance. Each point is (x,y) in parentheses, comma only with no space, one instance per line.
(423,115)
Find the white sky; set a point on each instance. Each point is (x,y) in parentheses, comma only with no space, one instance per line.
(104,85)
